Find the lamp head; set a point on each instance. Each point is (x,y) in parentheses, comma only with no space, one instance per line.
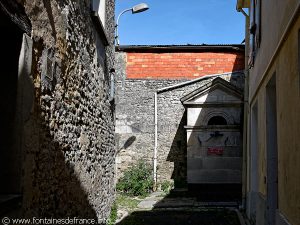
(140,8)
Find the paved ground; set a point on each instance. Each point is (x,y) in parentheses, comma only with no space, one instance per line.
(158,200)
(180,217)
(158,209)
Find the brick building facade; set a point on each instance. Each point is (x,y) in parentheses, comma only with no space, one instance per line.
(167,63)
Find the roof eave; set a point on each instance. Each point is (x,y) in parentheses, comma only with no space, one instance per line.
(242,4)
(174,48)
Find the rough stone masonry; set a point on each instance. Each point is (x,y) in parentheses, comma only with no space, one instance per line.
(68,135)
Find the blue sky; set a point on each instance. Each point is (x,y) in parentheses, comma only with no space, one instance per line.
(181,22)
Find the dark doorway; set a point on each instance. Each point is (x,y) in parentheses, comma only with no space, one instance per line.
(253,164)
(272,153)
(10,46)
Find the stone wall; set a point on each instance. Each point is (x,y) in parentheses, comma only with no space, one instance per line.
(135,121)
(68,136)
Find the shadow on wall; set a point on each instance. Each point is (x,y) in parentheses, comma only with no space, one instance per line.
(39,170)
(177,155)
(51,184)
(128,143)
(57,174)
(51,187)
(239,63)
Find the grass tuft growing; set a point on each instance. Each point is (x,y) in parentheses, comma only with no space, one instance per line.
(137,180)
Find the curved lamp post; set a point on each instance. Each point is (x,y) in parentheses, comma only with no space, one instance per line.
(135,9)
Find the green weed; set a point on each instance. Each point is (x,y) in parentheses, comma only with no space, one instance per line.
(137,180)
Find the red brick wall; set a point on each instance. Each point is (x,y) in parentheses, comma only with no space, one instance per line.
(181,65)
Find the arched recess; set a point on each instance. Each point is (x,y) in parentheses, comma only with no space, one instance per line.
(217,120)
(229,120)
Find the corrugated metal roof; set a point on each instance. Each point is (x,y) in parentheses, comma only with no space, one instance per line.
(181,45)
(187,47)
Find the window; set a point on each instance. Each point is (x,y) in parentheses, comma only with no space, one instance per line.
(255,29)
(253,164)
(271,150)
(217,120)
(258,23)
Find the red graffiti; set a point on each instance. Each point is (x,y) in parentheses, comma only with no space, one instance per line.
(215,151)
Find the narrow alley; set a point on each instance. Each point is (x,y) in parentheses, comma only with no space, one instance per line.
(119,112)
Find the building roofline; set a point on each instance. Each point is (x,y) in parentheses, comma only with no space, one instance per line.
(184,83)
(213,83)
(182,48)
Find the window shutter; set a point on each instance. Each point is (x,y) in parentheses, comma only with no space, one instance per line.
(258,23)
(252,29)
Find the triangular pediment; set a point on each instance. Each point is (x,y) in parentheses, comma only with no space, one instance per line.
(218,91)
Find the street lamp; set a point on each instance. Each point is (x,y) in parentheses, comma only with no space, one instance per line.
(135,9)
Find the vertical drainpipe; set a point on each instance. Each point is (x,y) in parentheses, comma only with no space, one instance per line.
(155,144)
(112,84)
(246,109)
